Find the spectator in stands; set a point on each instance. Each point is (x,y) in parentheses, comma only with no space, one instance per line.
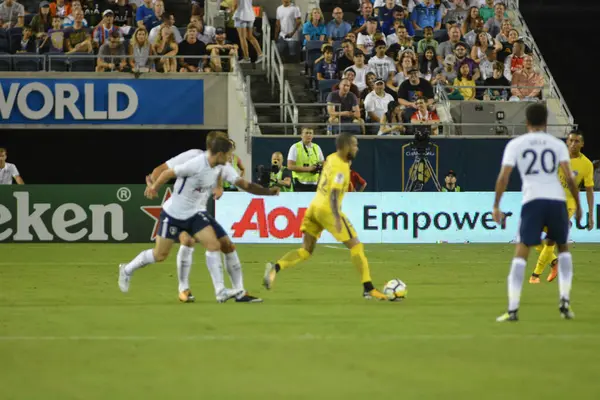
(423,116)
(26,43)
(244,24)
(166,48)
(140,51)
(515,61)
(337,29)
(206,33)
(8,171)
(42,21)
(168,20)
(493,25)
(365,40)
(471,21)
(411,89)
(352,36)
(527,83)
(360,69)
(425,14)
(471,37)
(366,12)
(112,54)
(327,68)
(191,46)
(351,76)
(403,42)
(145,15)
(343,107)
(123,15)
(54,42)
(104,30)
(70,19)
(280,175)
(91,9)
(507,47)
(346,59)
(286,27)
(314,28)
(78,37)
(392,116)
(305,160)
(406,63)
(497,79)
(389,27)
(376,105)
(446,48)
(450,182)
(487,10)
(445,74)
(460,51)
(385,13)
(221,52)
(60,8)
(357,183)
(382,65)
(427,41)
(482,44)
(465,80)
(486,66)
(428,63)
(12,14)
(502,36)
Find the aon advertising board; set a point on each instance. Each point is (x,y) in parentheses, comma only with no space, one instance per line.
(384,218)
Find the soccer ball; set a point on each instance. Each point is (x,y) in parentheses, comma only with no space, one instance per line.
(395,290)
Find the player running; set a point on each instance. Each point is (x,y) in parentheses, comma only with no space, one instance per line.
(185,211)
(325,212)
(538,155)
(583,171)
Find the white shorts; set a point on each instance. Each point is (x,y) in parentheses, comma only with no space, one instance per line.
(238,23)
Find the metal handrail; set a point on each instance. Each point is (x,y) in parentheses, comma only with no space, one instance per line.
(290,109)
(514,5)
(266,43)
(277,70)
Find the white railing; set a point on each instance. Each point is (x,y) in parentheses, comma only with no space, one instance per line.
(243,86)
(266,43)
(290,108)
(514,6)
(277,77)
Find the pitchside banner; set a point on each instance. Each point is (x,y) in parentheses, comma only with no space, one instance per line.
(385,217)
(113,100)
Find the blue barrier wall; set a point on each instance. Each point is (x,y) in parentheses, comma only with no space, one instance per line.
(380,161)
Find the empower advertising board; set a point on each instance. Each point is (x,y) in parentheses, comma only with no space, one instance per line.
(385,217)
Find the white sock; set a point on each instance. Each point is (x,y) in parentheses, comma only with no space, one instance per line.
(141,260)
(234,269)
(515,282)
(213,263)
(184,266)
(565,274)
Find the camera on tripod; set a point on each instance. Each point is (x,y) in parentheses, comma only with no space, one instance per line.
(422,139)
(421,170)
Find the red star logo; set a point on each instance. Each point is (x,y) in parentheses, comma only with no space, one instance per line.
(154,212)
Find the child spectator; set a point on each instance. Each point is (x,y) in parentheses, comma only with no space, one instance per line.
(27,42)
(497,79)
(464,78)
(428,63)
(428,41)
(326,68)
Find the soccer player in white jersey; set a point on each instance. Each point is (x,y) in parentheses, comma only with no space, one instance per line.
(185,211)
(538,156)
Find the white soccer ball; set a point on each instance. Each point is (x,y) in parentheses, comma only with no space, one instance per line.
(395,290)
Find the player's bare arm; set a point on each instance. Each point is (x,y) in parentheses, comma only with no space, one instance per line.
(501,184)
(566,169)
(150,179)
(19,180)
(589,194)
(334,202)
(152,191)
(256,189)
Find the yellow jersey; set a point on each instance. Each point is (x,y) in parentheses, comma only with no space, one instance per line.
(335,175)
(583,171)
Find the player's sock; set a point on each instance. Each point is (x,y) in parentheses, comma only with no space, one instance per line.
(141,260)
(357,254)
(213,263)
(515,282)
(565,274)
(234,269)
(184,266)
(545,258)
(292,258)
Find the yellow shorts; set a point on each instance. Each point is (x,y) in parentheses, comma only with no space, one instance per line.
(316,220)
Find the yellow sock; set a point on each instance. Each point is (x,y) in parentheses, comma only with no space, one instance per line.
(539,247)
(293,257)
(357,254)
(545,258)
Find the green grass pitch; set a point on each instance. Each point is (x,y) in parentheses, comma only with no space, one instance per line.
(67,332)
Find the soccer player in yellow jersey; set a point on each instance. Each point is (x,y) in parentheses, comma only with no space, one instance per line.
(583,171)
(324,213)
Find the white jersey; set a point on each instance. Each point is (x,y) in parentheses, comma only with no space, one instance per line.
(183,157)
(537,155)
(7,173)
(196,180)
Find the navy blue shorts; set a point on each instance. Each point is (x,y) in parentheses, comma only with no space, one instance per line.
(170,227)
(539,214)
